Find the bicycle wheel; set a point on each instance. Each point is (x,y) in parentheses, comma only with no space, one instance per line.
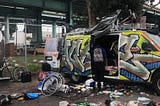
(60,78)
(5,72)
(17,73)
(49,86)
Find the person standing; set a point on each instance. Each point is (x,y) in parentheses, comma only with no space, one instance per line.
(99,57)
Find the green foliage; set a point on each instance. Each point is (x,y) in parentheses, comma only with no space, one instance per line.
(34,67)
(33,62)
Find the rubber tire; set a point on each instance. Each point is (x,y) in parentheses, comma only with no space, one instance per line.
(17,73)
(6,72)
(51,86)
(60,78)
(156,83)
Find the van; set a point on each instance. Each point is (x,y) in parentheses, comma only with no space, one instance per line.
(133,55)
(51,52)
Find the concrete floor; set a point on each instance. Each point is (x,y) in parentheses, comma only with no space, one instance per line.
(9,87)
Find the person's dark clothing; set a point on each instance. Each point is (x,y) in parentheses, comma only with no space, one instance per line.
(99,56)
(46,67)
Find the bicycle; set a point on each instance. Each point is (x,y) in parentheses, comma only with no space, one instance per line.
(52,83)
(11,71)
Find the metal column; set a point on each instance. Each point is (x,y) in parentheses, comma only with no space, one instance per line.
(54,29)
(71,13)
(7,35)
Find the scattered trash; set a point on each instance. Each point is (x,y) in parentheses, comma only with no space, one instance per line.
(5,99)
(99,93)
(63,103)
(86,104)
(82,104)
(115,95)
(78,86)
(72,104)
(118,93)
(55,82)
(107,100)
(144,94)
(91,94)
(93,104)
(20,98)
(133,103)
(100,104)
(86,99)
(116,103)
(64,88)
(30,96)
(127,93)
(41,61)
(16,95)
(144,100)
(107,92)
(90,83)
(35,60)
(83,89)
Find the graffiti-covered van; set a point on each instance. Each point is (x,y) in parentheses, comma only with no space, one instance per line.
(133,55)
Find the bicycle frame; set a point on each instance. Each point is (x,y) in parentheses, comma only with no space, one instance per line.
(11,71)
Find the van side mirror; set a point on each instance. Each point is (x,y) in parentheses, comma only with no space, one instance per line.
(147,46)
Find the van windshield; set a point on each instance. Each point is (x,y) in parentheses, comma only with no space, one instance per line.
(155,38)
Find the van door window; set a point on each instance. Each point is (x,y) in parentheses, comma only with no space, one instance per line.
(147,47)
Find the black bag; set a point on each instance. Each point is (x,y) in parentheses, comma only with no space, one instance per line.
(26,77)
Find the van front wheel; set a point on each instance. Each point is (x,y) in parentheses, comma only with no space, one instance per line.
(156,83)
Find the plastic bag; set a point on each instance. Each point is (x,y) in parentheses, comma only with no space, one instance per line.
(31,96)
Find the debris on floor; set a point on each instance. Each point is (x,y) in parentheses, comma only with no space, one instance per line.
(113,94)
(5,99)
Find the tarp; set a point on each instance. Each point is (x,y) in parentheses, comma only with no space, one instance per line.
(105,25)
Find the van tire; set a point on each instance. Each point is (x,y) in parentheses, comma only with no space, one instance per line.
(156,83)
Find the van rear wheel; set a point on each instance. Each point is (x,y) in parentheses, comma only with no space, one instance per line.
(156,83)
